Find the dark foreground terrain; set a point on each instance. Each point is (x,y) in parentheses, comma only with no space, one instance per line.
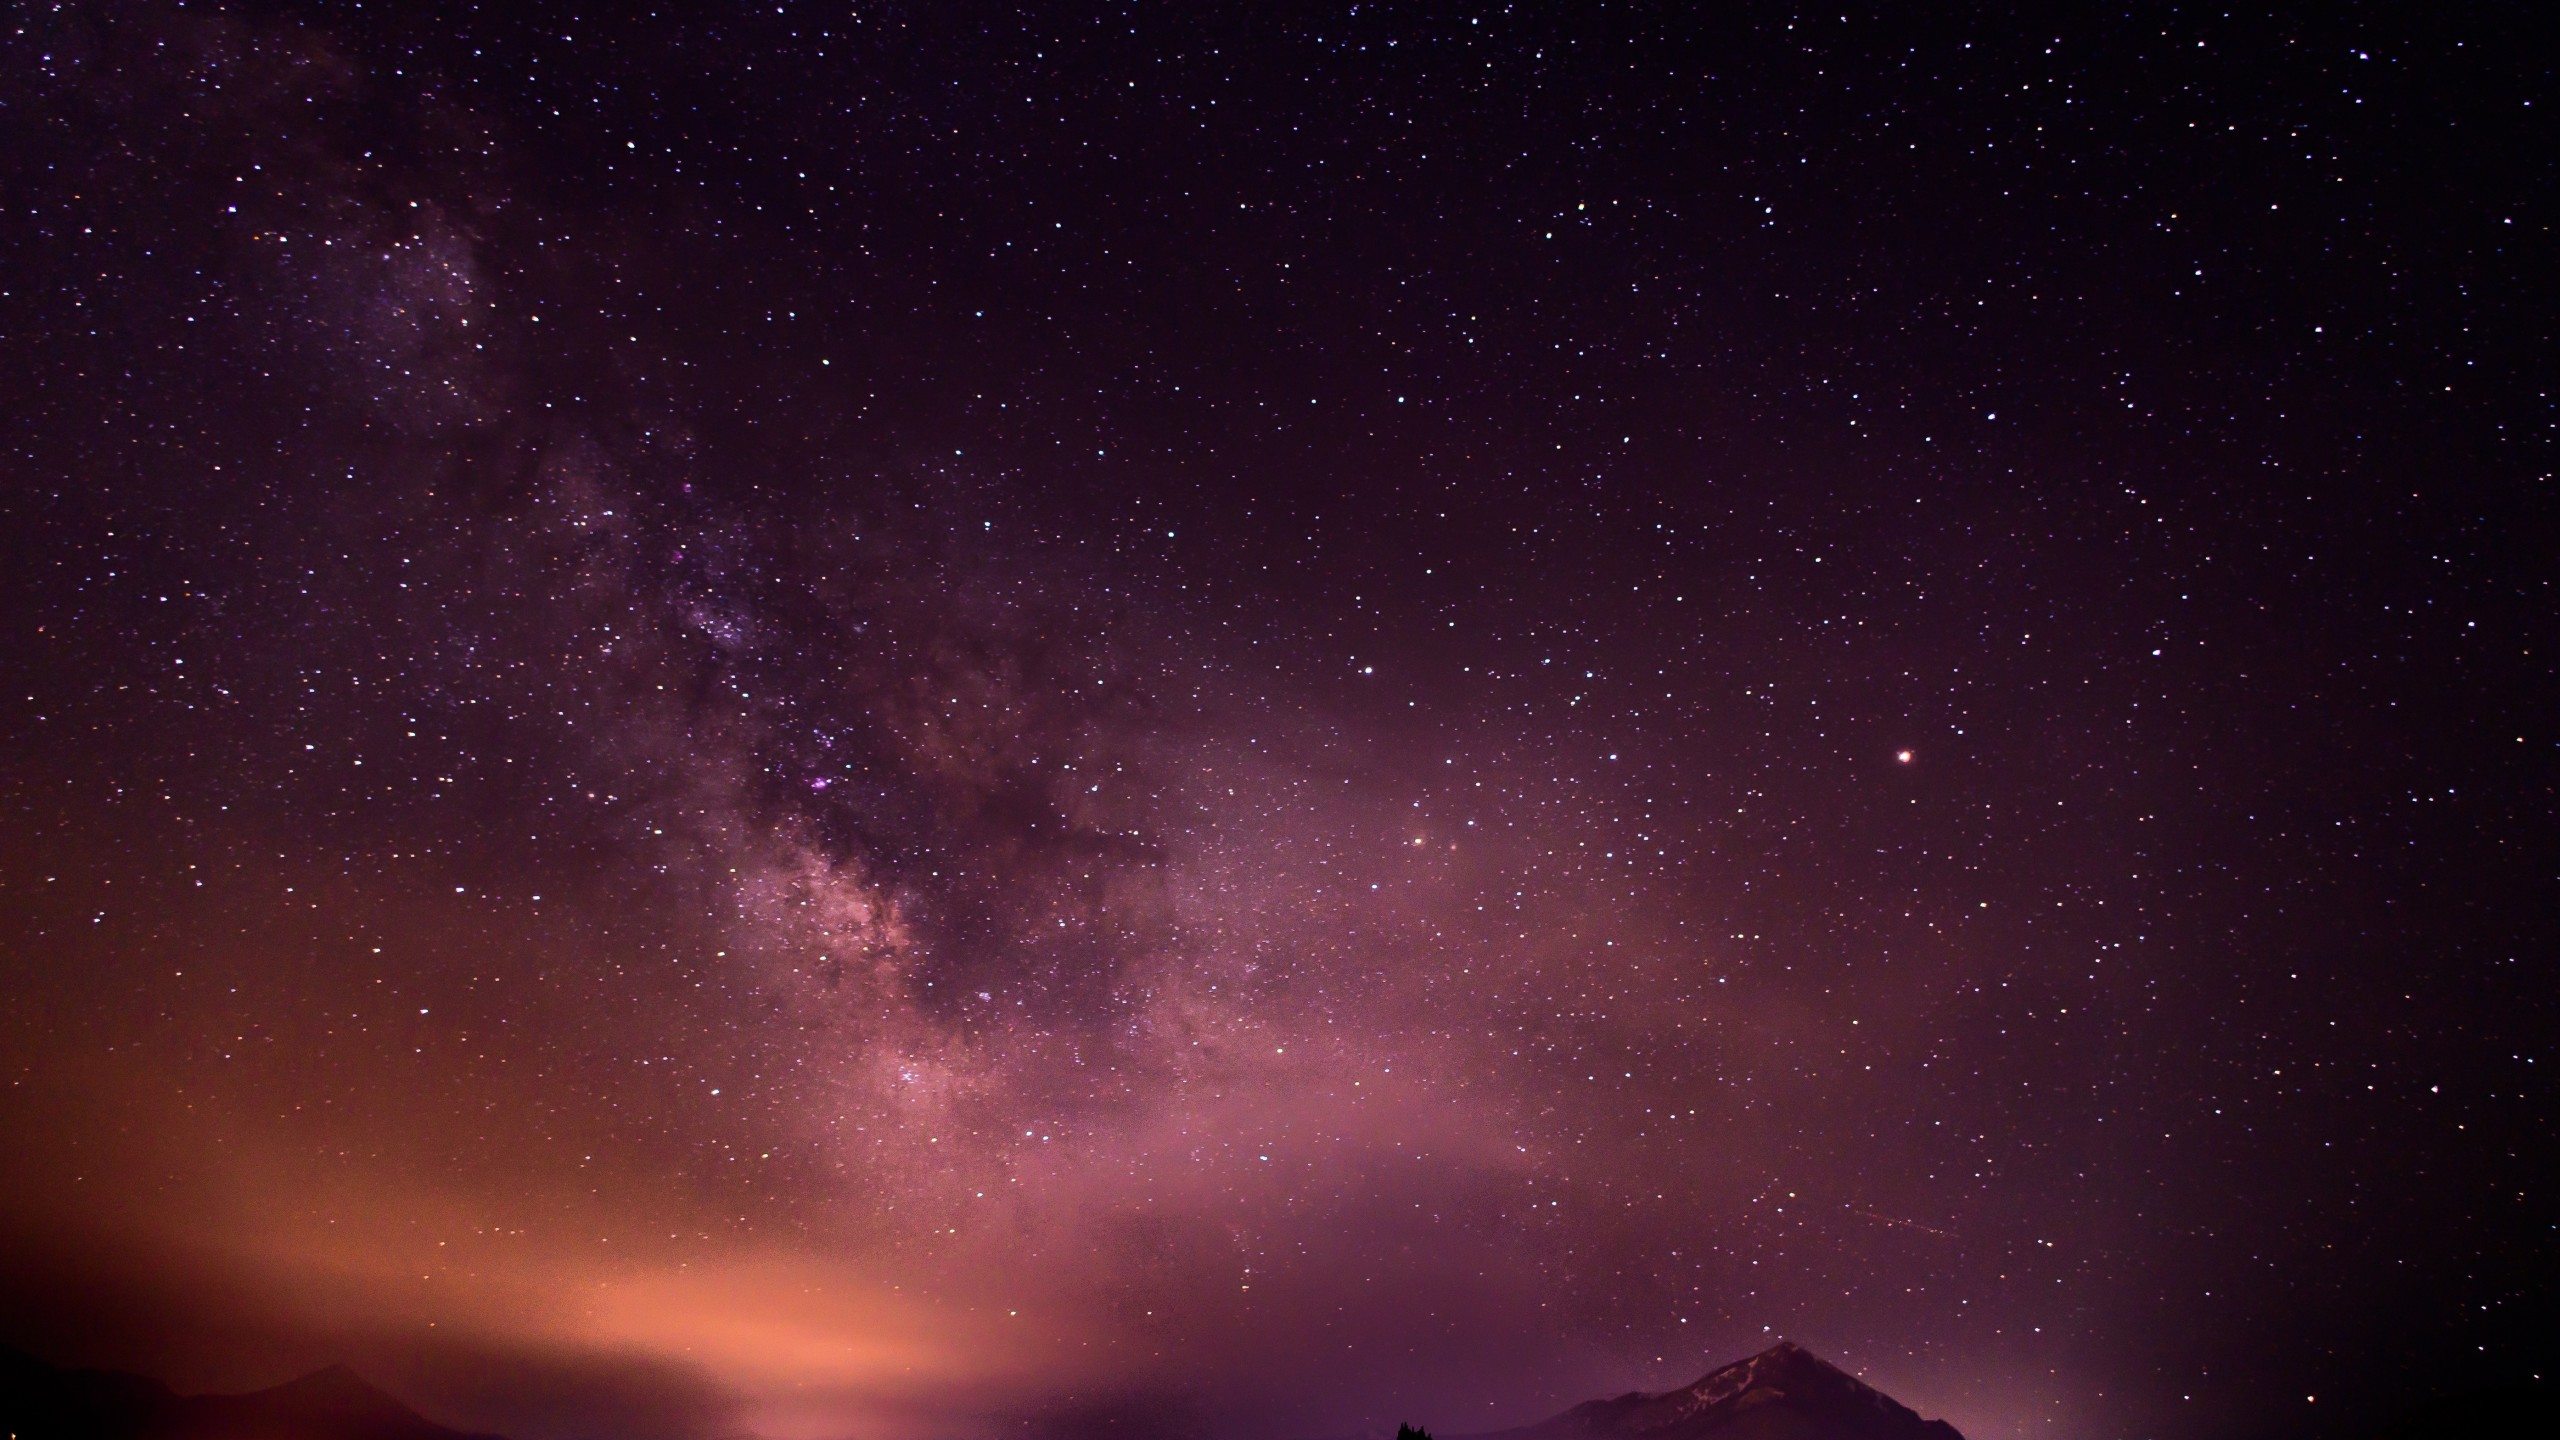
(1783,1393)
(44,1402)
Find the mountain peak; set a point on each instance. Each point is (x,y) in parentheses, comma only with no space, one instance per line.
(337,1389)
(328,1404)
(1785,1392)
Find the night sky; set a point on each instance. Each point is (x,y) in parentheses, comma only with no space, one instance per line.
(925,720)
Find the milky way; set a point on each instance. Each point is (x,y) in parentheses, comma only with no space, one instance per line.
(964,721)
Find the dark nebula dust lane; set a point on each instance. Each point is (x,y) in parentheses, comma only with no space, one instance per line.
(818,721)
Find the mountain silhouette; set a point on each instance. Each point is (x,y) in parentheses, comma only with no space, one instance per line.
(46,1402)
(1782,1393)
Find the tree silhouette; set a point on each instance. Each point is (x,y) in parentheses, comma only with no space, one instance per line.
(1412,1432)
